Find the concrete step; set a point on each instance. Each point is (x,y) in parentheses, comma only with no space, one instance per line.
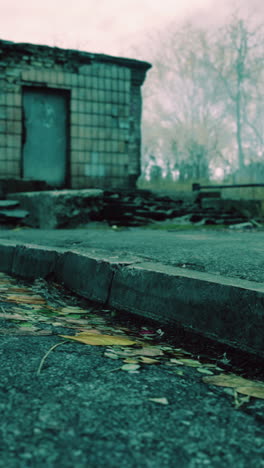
(9,203)
(14,214)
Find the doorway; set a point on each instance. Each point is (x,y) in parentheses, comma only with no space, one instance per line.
(45,135)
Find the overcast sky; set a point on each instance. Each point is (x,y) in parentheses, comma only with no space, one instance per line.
(108,26)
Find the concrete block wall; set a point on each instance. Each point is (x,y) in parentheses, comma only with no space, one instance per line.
(10,122)
(104,111)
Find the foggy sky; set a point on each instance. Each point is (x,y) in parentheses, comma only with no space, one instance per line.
(108,26)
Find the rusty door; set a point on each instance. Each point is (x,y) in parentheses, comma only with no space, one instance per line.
(45,135)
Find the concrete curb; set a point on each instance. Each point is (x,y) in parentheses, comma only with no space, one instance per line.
(228,310)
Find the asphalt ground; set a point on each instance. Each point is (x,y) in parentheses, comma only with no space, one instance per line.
(83,411)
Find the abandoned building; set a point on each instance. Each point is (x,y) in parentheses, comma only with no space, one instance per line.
(69,118)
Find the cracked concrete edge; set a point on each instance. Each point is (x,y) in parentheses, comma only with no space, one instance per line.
(228,310)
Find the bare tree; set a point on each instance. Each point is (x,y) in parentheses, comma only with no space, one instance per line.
(204,97)
(180,112)
(237,65)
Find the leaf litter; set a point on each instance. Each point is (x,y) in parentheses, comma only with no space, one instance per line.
(30,306)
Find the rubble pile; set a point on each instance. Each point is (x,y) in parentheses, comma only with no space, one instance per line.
(135,208)
(55,209)
(141,207)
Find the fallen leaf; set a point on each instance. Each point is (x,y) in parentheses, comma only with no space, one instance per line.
(176,361)
(130,361)
(254,391)
(124,353)
(161,401)
(111,355)
(203,370)
(72,310)
(182,351)
(24,332)
(24,299)
(13,317)
(240,400)
(147,360)
(100,340)
(75,321)
(29,326)
(190,362)
(231,380)
(130,367)
(178,372)
(150,351)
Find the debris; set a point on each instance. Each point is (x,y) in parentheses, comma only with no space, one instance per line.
(161,401)
(239,401)
(150,351)
(130,367)
(147,360)
(190,362)
(224,359)
(203,370)
(111,355)
(247,225)
(46,355)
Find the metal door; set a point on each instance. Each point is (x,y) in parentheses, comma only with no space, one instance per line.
(45,135)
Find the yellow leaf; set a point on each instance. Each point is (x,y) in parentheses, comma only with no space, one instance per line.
(130,367)
(24,299)
(147,360)
(72,310)
(176,361)
(150,351)
(111,355)
(190,362)
(231,380)
(130,360)
(203,370)
(100,340)
(254,391)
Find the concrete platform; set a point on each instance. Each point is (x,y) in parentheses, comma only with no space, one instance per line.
(229,309)
(53,209)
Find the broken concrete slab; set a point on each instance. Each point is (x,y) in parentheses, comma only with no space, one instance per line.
(60,208)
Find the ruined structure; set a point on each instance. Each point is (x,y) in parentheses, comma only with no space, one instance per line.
(69,118)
